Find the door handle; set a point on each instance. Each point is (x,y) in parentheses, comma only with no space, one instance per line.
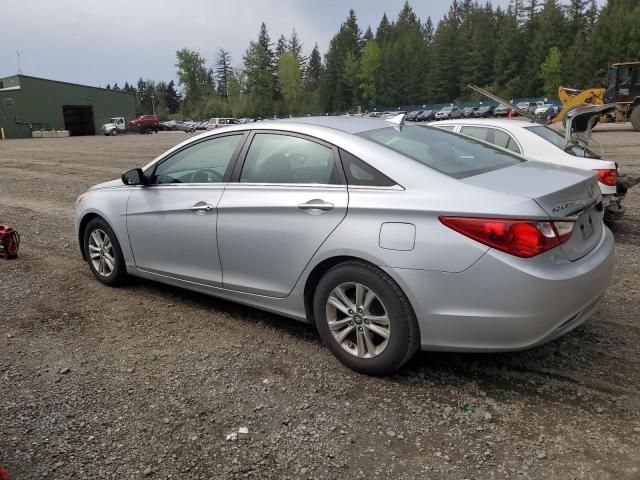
(316,206)
(201,207)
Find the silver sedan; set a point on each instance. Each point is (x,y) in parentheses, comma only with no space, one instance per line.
(388,238)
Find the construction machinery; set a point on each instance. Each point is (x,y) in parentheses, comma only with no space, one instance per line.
(623,91)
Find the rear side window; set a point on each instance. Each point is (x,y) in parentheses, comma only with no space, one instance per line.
(492,135)
(455,155)
(360,173)
(277,158)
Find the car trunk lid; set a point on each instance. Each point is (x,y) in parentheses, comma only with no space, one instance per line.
(560,192)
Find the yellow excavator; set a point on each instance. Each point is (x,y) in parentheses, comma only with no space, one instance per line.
(623,91)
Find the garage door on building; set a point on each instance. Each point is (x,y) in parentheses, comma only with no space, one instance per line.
(78,119)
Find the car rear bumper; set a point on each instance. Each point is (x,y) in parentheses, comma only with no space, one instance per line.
(503,302)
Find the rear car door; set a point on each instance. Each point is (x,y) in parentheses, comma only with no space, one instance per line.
(492,135)
(287,196)
(172,221)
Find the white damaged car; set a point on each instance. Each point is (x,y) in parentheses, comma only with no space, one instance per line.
(544,144)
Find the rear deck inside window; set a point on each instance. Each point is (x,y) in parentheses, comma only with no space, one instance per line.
(455,155)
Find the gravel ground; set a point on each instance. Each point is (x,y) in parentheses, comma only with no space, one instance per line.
(148,381)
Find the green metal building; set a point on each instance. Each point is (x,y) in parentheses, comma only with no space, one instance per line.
(30,103)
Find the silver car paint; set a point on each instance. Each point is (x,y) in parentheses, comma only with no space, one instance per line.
(445,276)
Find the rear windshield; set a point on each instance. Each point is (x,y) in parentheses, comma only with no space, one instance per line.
(455,155)
(555,137)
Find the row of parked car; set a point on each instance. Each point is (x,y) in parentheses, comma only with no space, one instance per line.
(452,112)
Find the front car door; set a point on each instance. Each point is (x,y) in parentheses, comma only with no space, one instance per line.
(287,197)
(172,221)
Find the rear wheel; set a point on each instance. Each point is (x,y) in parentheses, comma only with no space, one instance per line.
(103,253)
(635,118)
(365,319)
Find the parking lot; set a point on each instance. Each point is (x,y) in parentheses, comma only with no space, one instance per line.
(147,381)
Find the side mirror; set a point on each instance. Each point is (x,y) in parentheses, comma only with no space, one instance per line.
(133,177)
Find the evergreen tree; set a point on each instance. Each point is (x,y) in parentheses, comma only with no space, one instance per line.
(313,71)
(223,71)
(281,47)
(108,87)
(173,99)
(338,91)
(368,35)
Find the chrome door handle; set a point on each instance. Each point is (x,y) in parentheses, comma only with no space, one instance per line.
(201,207)
(316,206)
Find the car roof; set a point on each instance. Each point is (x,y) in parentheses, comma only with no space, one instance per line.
(344,124)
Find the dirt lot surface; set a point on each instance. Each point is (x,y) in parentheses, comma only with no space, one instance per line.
(147,381)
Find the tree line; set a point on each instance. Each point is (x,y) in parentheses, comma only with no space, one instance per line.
(524,50)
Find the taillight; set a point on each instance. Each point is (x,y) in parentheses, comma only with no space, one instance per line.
(523,238)
(608,176)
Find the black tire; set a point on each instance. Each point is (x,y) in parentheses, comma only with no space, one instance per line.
(114,132)
(635,118)
(404,337)
(119,273)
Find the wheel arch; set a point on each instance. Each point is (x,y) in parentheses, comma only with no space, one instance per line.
(83,226)
(323,267)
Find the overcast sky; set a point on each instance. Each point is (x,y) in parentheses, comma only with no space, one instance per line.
(96,42)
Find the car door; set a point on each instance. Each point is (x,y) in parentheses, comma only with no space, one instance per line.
(492,135)
(172,221)
(287,196)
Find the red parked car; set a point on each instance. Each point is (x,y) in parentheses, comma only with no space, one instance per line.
(146,123)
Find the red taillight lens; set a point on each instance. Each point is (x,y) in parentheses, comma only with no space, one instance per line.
(608,176)
(523,238)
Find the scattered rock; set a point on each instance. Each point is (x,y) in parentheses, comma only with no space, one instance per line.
(391,433)
(243,430)
(64,370)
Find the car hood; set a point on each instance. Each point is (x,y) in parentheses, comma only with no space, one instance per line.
(107,125)
(109,184)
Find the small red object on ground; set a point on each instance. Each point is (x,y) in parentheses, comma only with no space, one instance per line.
(3,473)
(9,244)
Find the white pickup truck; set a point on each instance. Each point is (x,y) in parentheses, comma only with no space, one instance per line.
(114,126)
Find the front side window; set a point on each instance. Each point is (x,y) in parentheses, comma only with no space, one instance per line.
(492,135)
(204,162)
(454,155)
(277,158)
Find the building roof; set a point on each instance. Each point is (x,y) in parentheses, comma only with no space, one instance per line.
(62,82)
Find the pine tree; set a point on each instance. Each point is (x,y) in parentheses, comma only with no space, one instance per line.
(223,71)
(173,99)
(281,47)
(313,71)
(368,35)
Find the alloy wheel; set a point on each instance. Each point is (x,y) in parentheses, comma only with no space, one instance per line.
(101,252)
(358,320)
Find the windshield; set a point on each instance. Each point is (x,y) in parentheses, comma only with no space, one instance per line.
(113,120)
(555,137)
(455,155)
(447,109)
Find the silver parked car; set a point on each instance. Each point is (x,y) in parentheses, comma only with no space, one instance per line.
(388,238)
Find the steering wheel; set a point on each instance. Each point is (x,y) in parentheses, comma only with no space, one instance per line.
(206,175)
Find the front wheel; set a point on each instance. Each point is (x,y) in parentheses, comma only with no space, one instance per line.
(114,132)
(365,319)
(103,253)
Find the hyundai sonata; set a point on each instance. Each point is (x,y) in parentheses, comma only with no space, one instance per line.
(387,237)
